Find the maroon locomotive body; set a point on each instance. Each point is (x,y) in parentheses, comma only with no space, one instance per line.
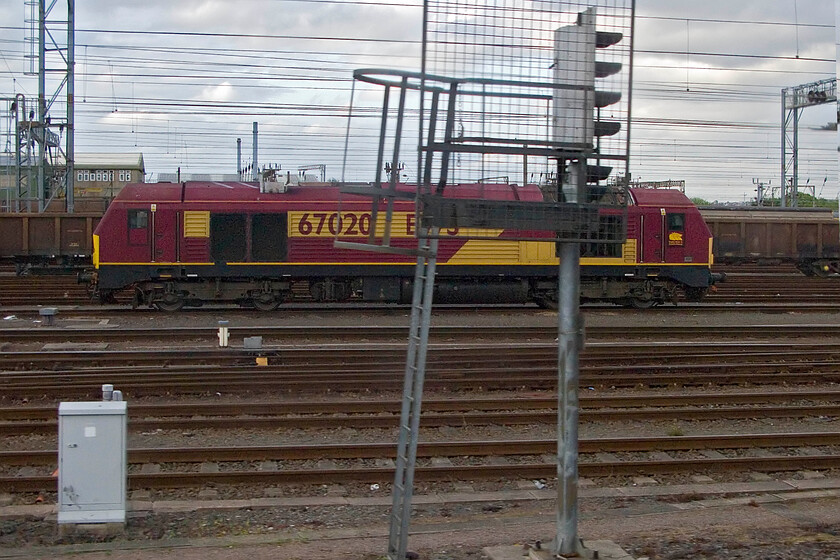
(196,242)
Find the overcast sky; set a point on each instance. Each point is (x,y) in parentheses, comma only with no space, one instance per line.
(181,81)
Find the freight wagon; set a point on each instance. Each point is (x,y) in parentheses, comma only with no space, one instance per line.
(47,242)
(806,237)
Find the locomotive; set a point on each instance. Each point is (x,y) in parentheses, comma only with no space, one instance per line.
(185,244)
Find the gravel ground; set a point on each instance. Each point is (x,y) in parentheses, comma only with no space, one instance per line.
(646,527)
(643,527)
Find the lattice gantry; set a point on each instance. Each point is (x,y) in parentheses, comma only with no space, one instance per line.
(507,90)
(523,125)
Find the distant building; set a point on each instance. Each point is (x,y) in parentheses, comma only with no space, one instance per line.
(176,177)
(104,175)
(97,177)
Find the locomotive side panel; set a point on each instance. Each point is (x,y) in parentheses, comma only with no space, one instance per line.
(195,243)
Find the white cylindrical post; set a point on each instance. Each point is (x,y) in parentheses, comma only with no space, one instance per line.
(224,335)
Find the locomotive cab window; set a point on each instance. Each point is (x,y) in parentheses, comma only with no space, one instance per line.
(138,219)
(138,227)
(227,237)
(676,230)
(268,237)
(676,222)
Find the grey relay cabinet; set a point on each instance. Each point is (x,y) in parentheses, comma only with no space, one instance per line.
(92,462)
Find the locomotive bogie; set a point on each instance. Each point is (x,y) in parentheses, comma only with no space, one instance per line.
(174,294)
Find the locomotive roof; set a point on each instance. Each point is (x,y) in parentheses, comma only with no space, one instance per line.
(246,191)
(660,198)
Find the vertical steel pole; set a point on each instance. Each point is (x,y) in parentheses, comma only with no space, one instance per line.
(629,122)
(783,191)
(569,326)
(567,412)
(256,167)
(239,158)
(42,105)
(20,102)
(794,186)
(70,177)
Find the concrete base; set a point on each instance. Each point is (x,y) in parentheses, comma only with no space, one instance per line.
(97,529)
(596,550)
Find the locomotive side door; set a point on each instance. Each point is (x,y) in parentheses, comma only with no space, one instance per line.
(652,235)
(675,237)
(166,228)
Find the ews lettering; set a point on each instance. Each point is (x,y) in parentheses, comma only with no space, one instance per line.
(411,226)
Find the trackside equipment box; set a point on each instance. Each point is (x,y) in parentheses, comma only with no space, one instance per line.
(92,462)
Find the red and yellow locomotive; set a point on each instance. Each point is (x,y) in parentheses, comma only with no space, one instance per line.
(186,244)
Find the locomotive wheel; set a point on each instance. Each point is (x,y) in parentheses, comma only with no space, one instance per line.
(639,303)
(170,303)
(266,302)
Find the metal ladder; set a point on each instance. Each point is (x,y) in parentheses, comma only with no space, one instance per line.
(415,371)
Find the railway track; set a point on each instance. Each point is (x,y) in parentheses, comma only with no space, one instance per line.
(340,451)
(287,335)
(378,414)
(297,467)
(824,304)
(196,371)
(190,410)
(674,357)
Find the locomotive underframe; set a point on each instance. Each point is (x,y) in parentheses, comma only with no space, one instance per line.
(266,287)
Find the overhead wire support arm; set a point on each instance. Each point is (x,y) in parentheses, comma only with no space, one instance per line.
(794,101)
